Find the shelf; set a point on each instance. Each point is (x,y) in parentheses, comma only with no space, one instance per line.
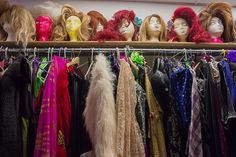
(122,44)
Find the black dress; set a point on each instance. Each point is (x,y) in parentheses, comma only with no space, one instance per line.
(15,104)
(79,139)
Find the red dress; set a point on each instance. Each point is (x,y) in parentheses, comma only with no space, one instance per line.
(63,114)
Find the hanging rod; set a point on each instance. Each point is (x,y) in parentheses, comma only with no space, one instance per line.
(121,44)
(87,51)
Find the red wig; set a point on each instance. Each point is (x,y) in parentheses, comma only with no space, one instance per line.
(111,33)
(196,32)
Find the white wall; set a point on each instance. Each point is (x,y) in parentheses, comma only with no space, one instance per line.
(142,9)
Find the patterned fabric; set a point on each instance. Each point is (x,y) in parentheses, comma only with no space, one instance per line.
(195,134)
(155,126)
(140,110)
(129,138)
(46,138)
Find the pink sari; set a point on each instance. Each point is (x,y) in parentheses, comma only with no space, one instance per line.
(46,138)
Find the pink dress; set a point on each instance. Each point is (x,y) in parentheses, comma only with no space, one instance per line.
(46,137)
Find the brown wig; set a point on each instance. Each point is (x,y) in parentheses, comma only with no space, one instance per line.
(60,33)
(223,11)
(96,18)
(143,36)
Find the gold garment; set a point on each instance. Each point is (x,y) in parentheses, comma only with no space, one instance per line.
(129,141)
(155,122)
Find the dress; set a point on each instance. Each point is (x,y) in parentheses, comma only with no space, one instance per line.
(78,89)
(46,138)
(128,138)
(15,104)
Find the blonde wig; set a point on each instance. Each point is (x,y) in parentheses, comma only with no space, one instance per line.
(60,33)
(223,11)
(4,5)
(143,35)
(21,22)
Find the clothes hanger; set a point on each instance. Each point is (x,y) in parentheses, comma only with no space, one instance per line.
(90,66)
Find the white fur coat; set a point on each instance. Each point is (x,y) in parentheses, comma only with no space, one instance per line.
(99,113)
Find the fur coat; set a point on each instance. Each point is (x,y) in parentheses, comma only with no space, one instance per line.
(100,113)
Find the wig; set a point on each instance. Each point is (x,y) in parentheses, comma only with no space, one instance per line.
(196,32)
(21,22)
(223,11)
(60,33)
(47,8)
(111,33)
(96,18)
(4,5)
(143,35)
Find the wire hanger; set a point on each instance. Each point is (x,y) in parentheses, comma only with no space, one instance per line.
(90,66)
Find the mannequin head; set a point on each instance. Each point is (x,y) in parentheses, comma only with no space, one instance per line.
(217,19)
(19,24)
(120,28)
(60,31)
(98,22)
(185,27)
(44,26)
(181,28)
(152,29)
(73,24)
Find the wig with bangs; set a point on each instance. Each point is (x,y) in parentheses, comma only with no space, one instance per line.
(21,22)
(196,32)
(111,33)
(143,35)
(60,33)
(223,11)
(96,18)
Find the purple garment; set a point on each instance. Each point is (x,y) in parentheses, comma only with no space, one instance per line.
(46,138)
(231,56)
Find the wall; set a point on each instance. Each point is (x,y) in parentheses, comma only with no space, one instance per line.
(142,9)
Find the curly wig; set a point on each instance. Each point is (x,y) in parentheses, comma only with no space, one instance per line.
(96,18)
(223,11)
(21,22)
(196,32)
(111,33)
(4,5)
(60,33)
(143,35)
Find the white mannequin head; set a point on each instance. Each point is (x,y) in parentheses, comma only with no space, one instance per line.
(100,27)
(127,29)
(181,28)
(154,29)
(215,27)
(11,36)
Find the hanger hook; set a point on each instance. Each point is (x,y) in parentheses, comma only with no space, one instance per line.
(65,50)
(6,51)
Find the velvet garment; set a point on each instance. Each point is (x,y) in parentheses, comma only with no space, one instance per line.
(78,89)
(46,138)
(63,112)
(15,104)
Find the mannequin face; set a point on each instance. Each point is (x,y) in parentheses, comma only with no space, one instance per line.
(153,29)
(72,27)
(181,28)
(11,36)
(100,27)
(43,28)
(127,29)
(215,27)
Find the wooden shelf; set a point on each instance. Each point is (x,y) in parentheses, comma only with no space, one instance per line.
(122,44)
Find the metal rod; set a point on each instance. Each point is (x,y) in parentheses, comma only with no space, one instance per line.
(145,51)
